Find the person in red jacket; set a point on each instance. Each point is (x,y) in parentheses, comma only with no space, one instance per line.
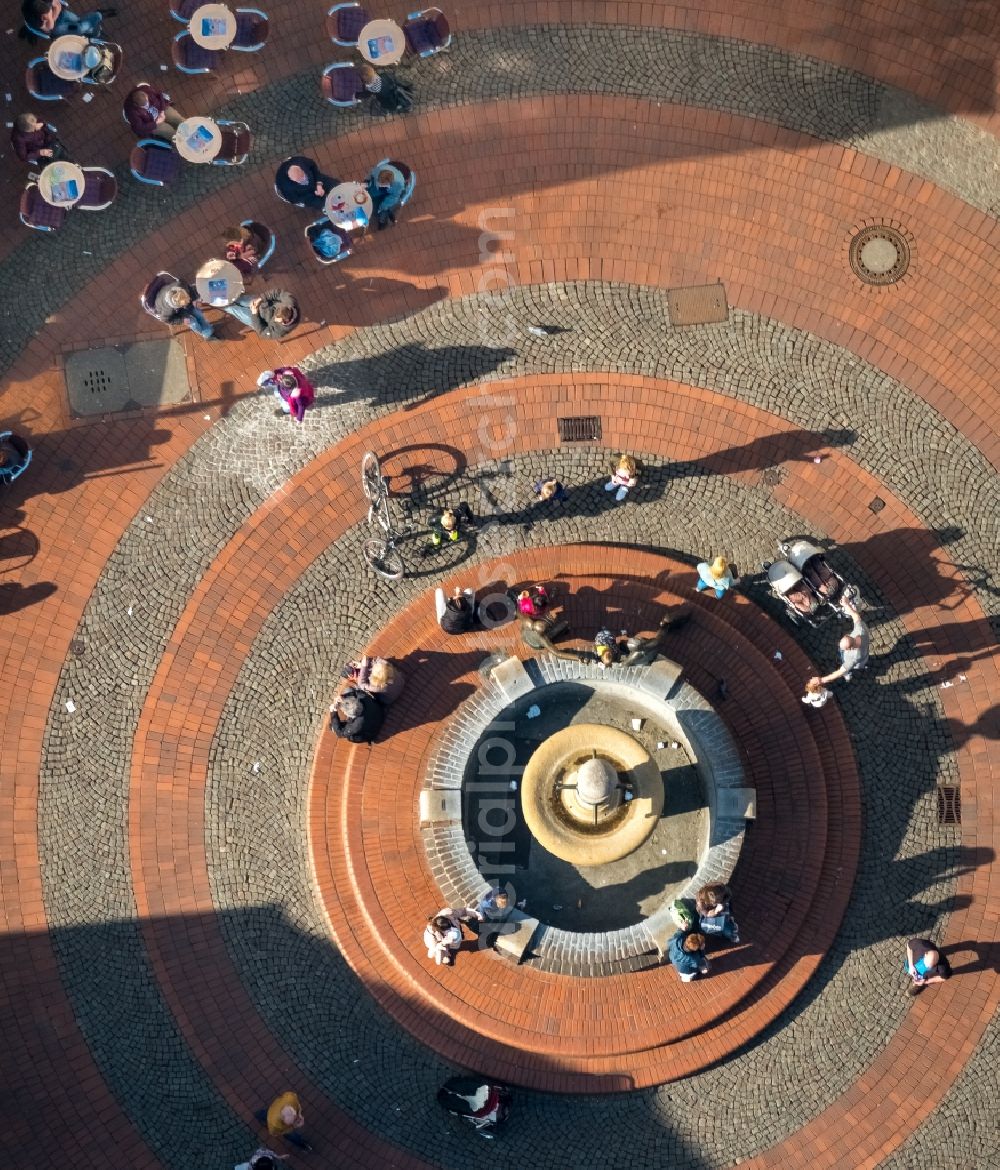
(35,143)
(150,113)
(291,387)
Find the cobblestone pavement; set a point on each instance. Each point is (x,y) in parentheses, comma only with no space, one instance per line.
(273,927)
(187,945)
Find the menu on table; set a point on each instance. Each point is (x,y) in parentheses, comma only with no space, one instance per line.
(66,191)
(212,26)
(380,46)
(200,138)
(217,288)
(70,60)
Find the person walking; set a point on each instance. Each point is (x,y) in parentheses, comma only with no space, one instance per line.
(263,1159)
(853,648)
(816,694)
(550,489)
(686,951)
(284,1118)
(715,576)
(624,477)
(292,389)
(443,936)
(924,964)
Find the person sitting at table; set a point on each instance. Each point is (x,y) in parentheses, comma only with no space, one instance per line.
(34,142)
(386,186)
(55,19)
(299,181)
(390,95)
(175,304)
(273,314)
(149,112)
(244,245)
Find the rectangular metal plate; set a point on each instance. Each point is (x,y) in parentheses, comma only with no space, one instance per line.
(700,304)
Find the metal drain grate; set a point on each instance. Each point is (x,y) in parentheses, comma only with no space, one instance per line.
(772,476)
(876,505)
(583,428)
(949,805)
(127,377)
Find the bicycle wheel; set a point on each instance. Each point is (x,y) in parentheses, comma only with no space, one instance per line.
(371,477)
(382,557)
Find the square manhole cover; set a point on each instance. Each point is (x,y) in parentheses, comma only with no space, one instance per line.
(126,377)
(700,304)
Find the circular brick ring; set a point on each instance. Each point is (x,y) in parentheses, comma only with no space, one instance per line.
(625,1030)
(657,692)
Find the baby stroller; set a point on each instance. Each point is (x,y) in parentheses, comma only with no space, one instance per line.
(481,1103)
(811,590)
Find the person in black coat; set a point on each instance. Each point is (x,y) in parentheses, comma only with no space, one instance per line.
(356,716)
(299,181)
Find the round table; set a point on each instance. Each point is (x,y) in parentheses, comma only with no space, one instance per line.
(348,206)
(198,140)
(381,42)
(213,26)
(61,184)
(65,57)
(219,283)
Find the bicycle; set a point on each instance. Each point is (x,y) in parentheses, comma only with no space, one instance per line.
(381,555)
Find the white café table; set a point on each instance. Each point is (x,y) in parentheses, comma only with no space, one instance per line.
(219,283)
(382,42)
(65,57)
(198,140)
(213,26)
(348,206)
(61,184)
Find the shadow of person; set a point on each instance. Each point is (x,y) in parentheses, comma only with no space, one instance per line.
(433,690)
(14,597)
(410,374)
(986,957)
(19,545)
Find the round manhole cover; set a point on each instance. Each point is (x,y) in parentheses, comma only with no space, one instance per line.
(879,254)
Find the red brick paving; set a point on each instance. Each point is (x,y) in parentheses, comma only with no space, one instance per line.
(79,523)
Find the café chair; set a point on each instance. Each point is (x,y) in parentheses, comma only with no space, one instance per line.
(183,10)
(427,32)
(190,57)
(236,141)
(43,85)
(117,55)
(251,30)
(99,189)
(264,230)
(341,84)
(154,161)
(10,471)
(313,230)
(37,214)
(344,23)
(409,176)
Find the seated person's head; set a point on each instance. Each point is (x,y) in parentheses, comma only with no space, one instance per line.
(284,315)
(349,707)
(850,642)
(440,923)
(138,98)
(237,234)
(606,655)
(385,178)
(35,10)
(694,942)
(178,298)
(710,897)
(263,1162)
(27,123)
(501,899)
(298,176)
(367,73)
